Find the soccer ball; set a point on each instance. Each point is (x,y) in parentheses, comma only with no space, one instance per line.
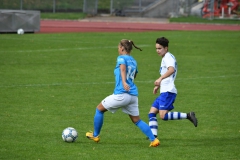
(20,31)
(69,134)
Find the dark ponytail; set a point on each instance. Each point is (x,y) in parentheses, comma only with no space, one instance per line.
(135,46)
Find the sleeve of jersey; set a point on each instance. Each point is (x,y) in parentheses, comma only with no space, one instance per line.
(120,61)
(169,61)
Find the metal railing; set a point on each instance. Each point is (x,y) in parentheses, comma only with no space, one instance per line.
(43,5)
(116,7)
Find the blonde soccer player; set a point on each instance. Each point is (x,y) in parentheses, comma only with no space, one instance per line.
(125,95)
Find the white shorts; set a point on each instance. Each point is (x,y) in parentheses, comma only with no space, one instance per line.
(127,102)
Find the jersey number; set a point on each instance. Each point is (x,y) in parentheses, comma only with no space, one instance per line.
(131,73)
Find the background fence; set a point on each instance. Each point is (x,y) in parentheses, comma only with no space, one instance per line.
(116,7)
(120,7)
(89,6)
(43,5)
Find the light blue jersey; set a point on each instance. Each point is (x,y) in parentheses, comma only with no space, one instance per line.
(131,70)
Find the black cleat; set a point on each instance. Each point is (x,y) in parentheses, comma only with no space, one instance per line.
(192,118)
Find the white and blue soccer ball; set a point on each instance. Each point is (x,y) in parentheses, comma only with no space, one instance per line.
(20,31)
(69,134)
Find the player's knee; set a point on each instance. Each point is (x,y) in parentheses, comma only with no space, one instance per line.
(153,110)
(162,116)
(135,119)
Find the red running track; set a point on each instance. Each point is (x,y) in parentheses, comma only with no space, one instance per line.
(60,26)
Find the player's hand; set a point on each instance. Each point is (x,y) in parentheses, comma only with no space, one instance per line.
(158,82)
(155,89)
(126,86)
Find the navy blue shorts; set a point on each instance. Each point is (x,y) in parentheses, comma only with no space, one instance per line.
(165,101)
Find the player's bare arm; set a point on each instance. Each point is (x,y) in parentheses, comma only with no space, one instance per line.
(155,89)
(170,71)
(123,75)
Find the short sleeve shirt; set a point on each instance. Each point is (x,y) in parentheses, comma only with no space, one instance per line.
(167,84)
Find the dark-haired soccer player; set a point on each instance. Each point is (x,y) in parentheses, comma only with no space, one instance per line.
(163,104)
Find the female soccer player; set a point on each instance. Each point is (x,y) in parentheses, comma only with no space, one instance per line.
(163,104)
(125,95)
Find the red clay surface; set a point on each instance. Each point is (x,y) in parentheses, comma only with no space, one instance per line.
(60,26)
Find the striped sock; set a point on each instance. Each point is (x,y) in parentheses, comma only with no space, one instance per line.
(175,116)
(153,124)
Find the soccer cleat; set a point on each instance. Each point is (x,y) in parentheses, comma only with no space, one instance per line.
(191,116)
(154,143)
(89,135)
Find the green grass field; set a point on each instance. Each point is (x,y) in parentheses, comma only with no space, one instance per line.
(195,19)
(68,16)
(52,81)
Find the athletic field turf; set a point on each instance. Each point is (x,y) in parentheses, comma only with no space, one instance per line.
(52,81)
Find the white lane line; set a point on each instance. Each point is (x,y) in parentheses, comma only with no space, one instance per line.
(98,83)
(62,49)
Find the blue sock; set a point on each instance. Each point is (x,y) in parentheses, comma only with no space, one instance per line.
(145,129)
(174,116)
(98,122)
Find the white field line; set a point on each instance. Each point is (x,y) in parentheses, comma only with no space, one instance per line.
(62,49)
(57,39)
(49,50)
(98,83)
